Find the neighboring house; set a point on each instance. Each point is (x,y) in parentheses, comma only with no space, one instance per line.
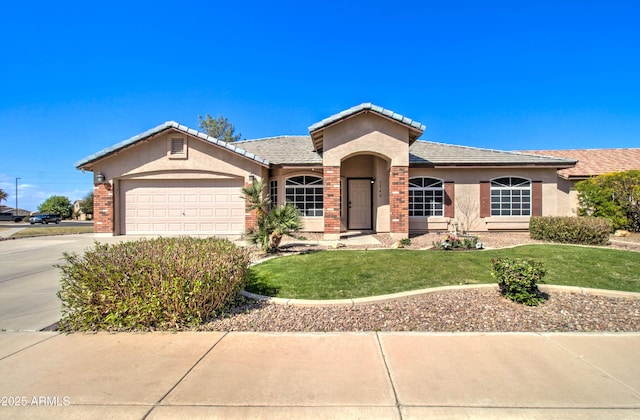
(20,212)
(78,214)
(591,162)
(362,169)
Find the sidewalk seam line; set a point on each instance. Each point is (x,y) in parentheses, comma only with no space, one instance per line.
(179,381)
(27,274)
(588,362)
(386,366)
(29,346)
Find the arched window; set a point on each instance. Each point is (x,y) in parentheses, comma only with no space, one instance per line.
(510,196)
(307,193)
(426,197)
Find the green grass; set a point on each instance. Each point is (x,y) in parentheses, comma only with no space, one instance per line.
(352,274)
(53,230)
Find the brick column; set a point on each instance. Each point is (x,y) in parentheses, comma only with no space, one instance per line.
(399,201)
(250,217)
(103,208)
(331,202)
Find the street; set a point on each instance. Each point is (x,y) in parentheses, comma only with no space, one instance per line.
(66,223)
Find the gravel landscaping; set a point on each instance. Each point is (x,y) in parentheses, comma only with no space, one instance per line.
(469,310)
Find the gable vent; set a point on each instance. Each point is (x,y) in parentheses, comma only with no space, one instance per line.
(177,147)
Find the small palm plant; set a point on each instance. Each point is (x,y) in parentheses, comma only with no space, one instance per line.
(271,224)
(256,200)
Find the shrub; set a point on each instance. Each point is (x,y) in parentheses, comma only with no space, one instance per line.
(271,228)
(405,242)
(614,196)
(518,279)
(571,230)
(272,222)
(163,283)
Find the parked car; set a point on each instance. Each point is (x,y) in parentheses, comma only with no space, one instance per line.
(45,218)
(10,216)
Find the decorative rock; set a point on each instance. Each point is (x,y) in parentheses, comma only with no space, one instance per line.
(622,233)
(397,244)
(339,245)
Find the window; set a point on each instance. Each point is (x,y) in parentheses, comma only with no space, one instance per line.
(426,197)
(510,196)
(273,192)
(307,193)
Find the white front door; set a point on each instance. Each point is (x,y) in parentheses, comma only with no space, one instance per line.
(359,196)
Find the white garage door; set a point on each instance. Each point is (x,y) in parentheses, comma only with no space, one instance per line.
(182,207)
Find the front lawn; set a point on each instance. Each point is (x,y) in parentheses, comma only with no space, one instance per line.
(351,274)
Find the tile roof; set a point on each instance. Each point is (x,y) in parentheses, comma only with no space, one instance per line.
(428,153)
(284,150)
(298,150)
(363,107)
(593,162)
(416,128)
(82,164)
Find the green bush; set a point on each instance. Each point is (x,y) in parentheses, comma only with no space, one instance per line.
(518,279)
(164,283)
(405,242)
(614,196)
(571,230)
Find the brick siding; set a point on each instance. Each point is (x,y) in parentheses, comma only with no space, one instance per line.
(250,217)
(103,208)
(399,200)
(331,199)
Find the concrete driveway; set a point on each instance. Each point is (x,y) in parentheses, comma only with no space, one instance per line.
(29,281)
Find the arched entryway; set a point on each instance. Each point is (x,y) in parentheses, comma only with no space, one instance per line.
(365,193)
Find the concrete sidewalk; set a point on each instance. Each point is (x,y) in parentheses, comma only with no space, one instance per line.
(324,375)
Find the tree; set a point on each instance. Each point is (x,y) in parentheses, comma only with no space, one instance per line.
(57,204)
(86,205)
(219,128)
(3,195)
(614,196)
(468,211)
(272,224)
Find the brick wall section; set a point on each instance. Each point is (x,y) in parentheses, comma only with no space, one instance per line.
(331,199)
(399,200)
(250,218)
(103,208)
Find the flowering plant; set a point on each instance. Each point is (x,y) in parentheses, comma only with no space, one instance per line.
(461,243)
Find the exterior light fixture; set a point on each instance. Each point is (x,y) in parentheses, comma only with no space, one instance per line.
(100,178)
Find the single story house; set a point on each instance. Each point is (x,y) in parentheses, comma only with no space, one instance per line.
(590,163)
(362,169)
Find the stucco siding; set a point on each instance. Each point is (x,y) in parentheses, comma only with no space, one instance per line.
(150,159)
(467,198)
(309,224)
(366,133)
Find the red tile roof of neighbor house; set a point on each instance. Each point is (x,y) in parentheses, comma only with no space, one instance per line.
(593,162)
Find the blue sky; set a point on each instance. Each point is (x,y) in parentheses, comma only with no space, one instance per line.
(81,76)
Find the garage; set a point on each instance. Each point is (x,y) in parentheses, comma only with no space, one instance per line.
(181,207)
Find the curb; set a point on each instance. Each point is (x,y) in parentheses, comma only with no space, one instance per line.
(413,293)
(588,291)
